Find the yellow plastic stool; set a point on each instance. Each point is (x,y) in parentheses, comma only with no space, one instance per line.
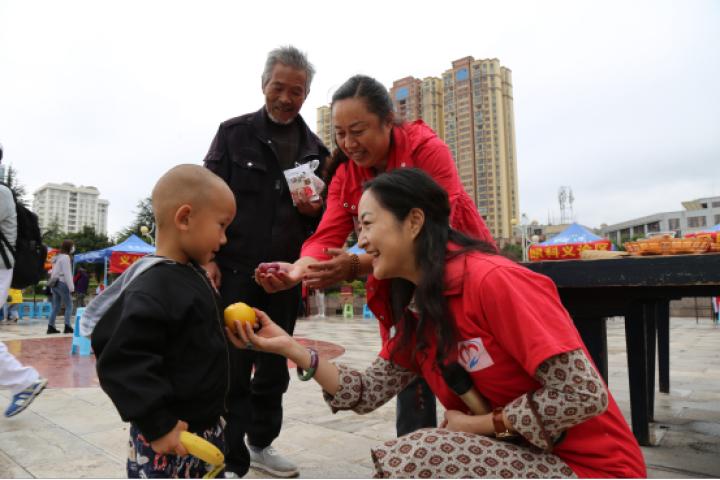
(348,310)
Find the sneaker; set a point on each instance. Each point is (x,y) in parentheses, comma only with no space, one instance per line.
(52,330)
(22,400)
(68,329)
(268,460)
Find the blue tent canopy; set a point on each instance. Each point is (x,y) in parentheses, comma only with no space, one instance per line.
(132,245)
(573,234)
(716,228)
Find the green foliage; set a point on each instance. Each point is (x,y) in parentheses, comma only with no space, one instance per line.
(512,251)
(85,240)
(53,236)
(88,240)
(11,180)
(358,288)
(143,217)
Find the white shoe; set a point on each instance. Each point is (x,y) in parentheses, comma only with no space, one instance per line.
(269,460)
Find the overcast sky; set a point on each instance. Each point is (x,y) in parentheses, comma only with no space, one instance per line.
(618,99)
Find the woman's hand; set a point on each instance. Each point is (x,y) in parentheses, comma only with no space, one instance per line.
(169,444)
(268,338)
(277,276)
(329,272)
(457,421)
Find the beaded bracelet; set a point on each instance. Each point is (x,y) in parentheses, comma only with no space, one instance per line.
(310,373)
(354,267)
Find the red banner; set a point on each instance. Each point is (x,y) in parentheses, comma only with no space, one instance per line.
(565,251)
(120,261)
(713,236)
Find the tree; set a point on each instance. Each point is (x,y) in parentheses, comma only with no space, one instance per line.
(53,236)
(88,240)
(512,251)
(11,180)
(143,217)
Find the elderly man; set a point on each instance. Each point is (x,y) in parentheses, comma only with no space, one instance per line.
(250,153)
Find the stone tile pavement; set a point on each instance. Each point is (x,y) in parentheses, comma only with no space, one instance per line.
(76,433)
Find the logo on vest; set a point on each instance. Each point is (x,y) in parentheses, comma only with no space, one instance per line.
(473,356)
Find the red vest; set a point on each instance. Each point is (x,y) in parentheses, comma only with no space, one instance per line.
(509,320)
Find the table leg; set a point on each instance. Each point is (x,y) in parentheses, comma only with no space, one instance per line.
(593,331)
(636,341)
(651,335)
(663,339)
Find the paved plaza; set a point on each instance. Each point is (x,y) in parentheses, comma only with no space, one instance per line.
(73,431)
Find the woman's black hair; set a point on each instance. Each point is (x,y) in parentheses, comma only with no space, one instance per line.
(400,191)
(377,101)
(373,93)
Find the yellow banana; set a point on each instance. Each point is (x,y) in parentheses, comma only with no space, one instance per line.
(202,449)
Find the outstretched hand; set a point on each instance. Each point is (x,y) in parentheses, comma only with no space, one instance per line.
(269,337)
(277,276)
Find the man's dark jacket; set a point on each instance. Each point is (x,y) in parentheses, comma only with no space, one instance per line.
(267,226)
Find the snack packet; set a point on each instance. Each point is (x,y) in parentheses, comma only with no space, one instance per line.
(303,183)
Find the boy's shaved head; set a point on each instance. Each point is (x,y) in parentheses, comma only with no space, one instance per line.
(184,184)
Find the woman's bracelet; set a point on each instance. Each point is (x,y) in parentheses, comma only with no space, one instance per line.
(310,373)
(354,267)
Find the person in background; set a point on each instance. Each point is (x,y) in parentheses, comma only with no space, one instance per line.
(24,383)
(251,153)
(61,285)
(81,281)
(370,141)
(450,300)
(11,311)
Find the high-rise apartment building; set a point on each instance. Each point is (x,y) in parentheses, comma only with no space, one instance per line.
(324,127)
(405,94)
(431,110)
(70,207)
(480,131)
(420,99)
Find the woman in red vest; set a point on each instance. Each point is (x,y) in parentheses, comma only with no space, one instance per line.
(371,142)
(445,299)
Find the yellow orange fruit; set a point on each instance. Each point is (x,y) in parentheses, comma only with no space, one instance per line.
(240,312)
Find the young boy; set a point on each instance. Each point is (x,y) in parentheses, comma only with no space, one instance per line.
(162,355)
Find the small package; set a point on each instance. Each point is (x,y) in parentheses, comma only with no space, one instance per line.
(303,183)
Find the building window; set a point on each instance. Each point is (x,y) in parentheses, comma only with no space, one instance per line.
(717,219)
(715,204)
(674,223)
(697,222)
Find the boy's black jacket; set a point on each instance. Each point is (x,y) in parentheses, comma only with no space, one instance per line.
(161,351)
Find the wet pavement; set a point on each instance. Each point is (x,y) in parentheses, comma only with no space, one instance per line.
(73,431)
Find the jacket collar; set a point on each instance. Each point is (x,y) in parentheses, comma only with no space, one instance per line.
(455,271)
(310,145)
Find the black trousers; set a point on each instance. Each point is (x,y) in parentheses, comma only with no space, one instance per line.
(257,380)
(415,408)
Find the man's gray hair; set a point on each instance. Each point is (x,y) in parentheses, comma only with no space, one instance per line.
(292,57)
